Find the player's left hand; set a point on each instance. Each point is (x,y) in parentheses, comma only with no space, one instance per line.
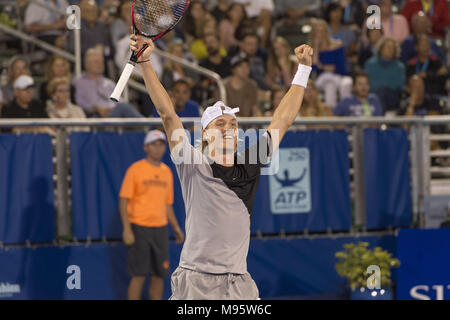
(304,54)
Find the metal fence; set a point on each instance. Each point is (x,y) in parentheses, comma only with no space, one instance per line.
(424,173)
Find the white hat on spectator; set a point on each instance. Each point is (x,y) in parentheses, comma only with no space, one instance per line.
(215,111)
(23,82)
(153,136)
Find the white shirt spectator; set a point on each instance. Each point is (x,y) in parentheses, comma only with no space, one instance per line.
(38,14)
(254,7)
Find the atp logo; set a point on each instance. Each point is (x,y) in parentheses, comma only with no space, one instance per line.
(290,187)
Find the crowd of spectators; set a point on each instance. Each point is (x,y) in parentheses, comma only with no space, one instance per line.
(399,69)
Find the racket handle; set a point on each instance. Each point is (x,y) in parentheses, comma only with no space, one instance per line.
(126,73)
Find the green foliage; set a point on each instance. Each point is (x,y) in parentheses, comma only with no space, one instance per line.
(354,260)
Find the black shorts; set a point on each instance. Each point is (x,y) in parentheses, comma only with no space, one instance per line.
(149,254)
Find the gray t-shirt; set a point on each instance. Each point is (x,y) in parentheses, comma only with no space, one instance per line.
(218,203)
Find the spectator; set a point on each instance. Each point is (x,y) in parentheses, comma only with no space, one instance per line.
(435,10)
(215,60)
(180,94)
(198,48)
(276,95)
(293,10)
(312,105)
(24,106)
(145,206)
(281,68)
(94,33)
(394,26)
(242,91)
(418,103)
(329,64)
(260,13)
(44,23)
(17,66)
(386,74)
(428,67)
(233,23)
(174,71)
(120,27)
(354,13)
(60,107)
(195,20)
(375,37)
(220,10)
(361,103)
(56,67)
(109,10)
(334,15)
(92,90)
(248,49)
(421,24)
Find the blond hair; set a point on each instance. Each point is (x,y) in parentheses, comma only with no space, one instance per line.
(55,82)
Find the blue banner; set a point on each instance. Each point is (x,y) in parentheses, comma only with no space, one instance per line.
(425,263)
(26,189)
(312,187)
(295,268)
(99,162)
(387,178)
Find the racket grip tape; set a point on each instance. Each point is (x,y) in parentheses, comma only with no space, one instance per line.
(126,73)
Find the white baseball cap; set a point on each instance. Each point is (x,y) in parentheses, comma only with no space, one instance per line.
(153,136)
(23,82)
(215,111)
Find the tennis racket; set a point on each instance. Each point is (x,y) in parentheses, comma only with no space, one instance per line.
(151,19)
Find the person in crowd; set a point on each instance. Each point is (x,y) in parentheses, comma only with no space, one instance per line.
(329,64)
(354,13)
(387,74)
(56,67)
(260,14)
(109,9)
(120,27)
(428,67)
(174,71)
(435,10)
(198,48)
(334,15)
(421,25)
(362,103)
(276,95)
(195,20)
(281,67)
(17,66)
(145,205)
(59,106)
(93,33)
(248,49)
(417,102)
(92,90)
(180,94)
(45,23)
(394,26)
(219,12)
(313,106)
(215,61)
(25,106)
(241,90)
(375,37)
(235,20)
(293,10)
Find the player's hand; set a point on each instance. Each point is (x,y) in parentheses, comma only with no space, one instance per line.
(128,237)
(137,42)
(179,235)
(304,54)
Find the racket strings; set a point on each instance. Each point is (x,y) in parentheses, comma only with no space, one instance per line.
(153,17)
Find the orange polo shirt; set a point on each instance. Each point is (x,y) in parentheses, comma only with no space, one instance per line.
(149,190)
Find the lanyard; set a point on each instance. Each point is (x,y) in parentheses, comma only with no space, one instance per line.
(424,66)
(366,108)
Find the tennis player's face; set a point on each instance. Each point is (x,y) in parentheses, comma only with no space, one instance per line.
(155,150)
(222,133)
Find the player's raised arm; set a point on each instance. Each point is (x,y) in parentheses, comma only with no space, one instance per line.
(156,91)
(289,106)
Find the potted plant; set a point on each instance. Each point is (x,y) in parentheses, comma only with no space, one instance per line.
(353,263)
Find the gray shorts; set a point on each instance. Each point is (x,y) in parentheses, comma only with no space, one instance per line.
(149,254)
(193,285)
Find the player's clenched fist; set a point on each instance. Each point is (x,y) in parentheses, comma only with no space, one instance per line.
(137,42)
(304,54)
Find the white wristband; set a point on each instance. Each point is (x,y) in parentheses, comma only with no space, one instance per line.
(302,75)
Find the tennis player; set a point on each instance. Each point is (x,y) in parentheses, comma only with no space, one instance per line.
(219,185)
